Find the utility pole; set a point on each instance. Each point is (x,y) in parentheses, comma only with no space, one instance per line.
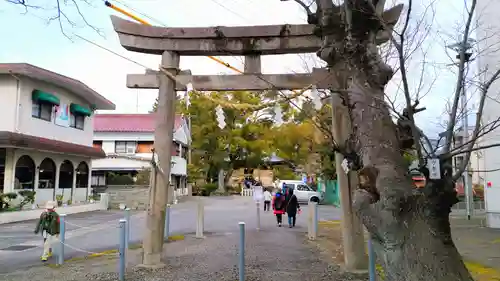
(469,195)
(161,193)
(352,229)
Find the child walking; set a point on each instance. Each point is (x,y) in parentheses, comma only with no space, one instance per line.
(267,200)
(48,224)
(279,207)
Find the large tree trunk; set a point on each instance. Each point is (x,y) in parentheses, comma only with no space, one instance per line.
(412,238)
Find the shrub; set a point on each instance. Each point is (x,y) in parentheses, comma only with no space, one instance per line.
(116,179)
(5,199)
(209,188)
(28,197)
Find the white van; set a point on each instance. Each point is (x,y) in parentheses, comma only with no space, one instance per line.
(303,192)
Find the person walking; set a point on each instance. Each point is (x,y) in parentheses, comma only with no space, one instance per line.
(292,207)
(279,207)
(267,200)
(48,224)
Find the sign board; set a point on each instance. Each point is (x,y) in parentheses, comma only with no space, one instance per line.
(258,193)
(345,166)
(434,168)
(62,115)
(304,179)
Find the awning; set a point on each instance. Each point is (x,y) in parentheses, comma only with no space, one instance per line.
(10,139)
(80,110)
(41,96)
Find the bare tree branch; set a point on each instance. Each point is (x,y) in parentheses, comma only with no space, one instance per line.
(460,78)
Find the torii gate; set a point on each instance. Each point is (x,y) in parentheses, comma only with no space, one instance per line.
(249,41)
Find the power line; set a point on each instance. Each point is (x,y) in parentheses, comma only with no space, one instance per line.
(113,52)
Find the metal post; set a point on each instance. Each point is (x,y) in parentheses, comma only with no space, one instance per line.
(258,215)
(127,226)
(167,222)
(469,197)
(315,219)
(62,234)
(199,220)
(309,220)
(371,260)
(241,260)
(123,234)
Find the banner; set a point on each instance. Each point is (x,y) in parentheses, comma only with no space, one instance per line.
(62,115)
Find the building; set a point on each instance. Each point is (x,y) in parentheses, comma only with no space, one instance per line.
(488,60)
(476,163)
(46,133)
(127,140)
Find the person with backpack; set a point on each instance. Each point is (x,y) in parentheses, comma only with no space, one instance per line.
(292,207)
(48,225)
(279,207)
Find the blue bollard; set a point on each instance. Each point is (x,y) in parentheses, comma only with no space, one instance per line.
(242,251)
(127,226)
(371,261)
(62,234)
(123,234)
(167,223)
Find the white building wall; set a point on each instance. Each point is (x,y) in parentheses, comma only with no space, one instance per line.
(44,195)
(8,90)
(41,128)
(488,38)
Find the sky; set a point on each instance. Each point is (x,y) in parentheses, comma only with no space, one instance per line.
(32,40)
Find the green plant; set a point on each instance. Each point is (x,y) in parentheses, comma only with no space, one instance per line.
(59,199)
(5,199)
(69,202)
(142,177)
(117,179)
(208,188)
(28,198)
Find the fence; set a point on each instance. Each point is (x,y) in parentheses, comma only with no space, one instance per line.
(247,192)
(181,191)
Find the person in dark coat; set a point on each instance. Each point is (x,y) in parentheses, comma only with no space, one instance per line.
(291,208)
(279,206)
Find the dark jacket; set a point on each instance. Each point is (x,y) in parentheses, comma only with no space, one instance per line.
(49,221)
(292,205)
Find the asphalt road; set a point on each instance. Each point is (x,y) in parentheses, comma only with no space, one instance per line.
(97,231)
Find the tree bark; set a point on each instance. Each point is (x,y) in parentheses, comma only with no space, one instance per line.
(404,232)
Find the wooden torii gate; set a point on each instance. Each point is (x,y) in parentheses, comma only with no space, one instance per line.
(248,41)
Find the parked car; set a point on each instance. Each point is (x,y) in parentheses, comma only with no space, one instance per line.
(303,192)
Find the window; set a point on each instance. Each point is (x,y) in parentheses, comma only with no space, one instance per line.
(184,152)
(126,147)
(175,149)
(41,110)
(98,180)
(77,121)
(303,187)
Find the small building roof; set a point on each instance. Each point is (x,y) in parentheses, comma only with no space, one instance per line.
(10,139)
(70,84)
(134,123)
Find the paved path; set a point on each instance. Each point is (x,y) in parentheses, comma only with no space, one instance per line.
(271,254)
(97,231)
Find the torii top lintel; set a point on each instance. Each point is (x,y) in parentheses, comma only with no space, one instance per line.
(225,41)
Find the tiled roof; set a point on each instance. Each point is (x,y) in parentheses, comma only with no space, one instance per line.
(128,122)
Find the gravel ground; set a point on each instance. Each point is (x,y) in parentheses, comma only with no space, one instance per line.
(271,254)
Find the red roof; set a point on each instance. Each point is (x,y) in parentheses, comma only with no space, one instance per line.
(128,122)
